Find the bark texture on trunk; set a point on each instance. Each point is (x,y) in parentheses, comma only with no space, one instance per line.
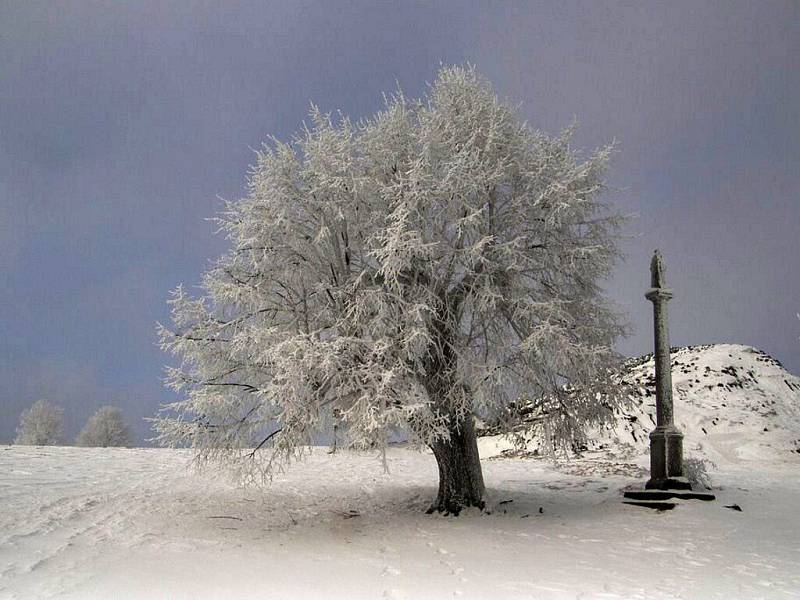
(460,475)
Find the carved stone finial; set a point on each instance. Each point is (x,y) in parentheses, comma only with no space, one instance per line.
(657,271)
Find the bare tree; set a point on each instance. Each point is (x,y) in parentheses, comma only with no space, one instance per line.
(104,429)
(434,261)
(41,425)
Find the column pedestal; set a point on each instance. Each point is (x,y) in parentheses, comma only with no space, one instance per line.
(666,460)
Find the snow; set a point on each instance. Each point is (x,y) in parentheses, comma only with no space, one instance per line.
(137,523)
(737,396)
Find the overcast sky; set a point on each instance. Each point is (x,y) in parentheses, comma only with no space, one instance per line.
(121,125)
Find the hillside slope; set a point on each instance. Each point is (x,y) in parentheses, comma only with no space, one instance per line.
(731,402)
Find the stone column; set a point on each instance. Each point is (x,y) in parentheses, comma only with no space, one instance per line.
(666,441)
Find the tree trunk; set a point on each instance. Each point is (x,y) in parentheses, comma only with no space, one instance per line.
(460,475)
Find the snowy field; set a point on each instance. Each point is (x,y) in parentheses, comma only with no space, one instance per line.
(135,523)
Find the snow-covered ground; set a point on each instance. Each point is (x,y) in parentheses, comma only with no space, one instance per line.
(91,523)
(136,523)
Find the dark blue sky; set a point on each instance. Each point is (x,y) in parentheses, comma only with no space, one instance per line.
(122,123)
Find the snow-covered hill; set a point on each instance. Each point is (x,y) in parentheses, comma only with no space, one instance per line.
(737,396)
(730,401)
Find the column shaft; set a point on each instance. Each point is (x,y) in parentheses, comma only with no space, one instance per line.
(663,367)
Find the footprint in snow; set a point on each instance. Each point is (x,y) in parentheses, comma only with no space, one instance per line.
(432,546)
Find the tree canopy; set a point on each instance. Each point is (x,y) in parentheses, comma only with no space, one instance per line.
(106,428)
(41,425)
(438,259)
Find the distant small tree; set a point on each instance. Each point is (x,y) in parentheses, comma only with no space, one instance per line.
(438,260)
(106,428)
(41,425)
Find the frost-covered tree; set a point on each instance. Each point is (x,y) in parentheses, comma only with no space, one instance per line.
(435,261)
(41,425)
(106,428)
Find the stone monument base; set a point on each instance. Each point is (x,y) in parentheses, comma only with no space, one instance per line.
(666,459)
(668,483)
(664,498)
(655,495)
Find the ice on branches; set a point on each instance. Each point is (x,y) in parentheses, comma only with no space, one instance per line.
(436,260)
